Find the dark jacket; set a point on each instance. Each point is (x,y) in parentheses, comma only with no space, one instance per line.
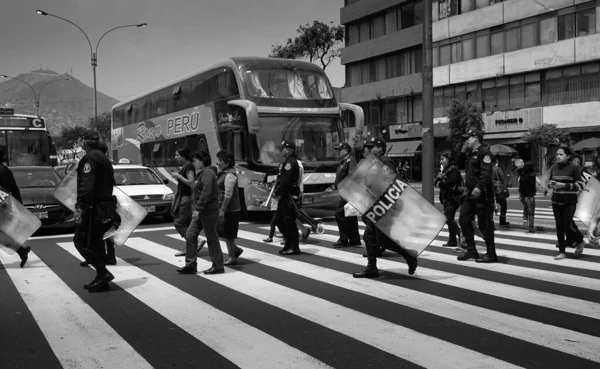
(288,179)
(205,194)
(479,166)
(8,183)
(234,201)
(527,185)
(347,165)
(450,184)
(95,179)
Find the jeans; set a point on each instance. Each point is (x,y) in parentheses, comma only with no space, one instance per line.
(208,222)
(184,216)
(565,226)
(529,210)
(450,208)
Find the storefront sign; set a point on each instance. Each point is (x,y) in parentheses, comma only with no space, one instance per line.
(512,120)
(509,121)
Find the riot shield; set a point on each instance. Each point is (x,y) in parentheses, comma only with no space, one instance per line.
(588,199)
(398,210)
(17,223)
(131,212)
(543,181)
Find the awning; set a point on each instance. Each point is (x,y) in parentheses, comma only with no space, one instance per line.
(404,148)
(505,137)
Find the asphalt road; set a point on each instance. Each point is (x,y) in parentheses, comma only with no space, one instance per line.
(301,312)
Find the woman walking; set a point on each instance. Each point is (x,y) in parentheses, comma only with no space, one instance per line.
(565,180)
(527,190)
(449,180)
(206,211)
(182,204)
(229,204)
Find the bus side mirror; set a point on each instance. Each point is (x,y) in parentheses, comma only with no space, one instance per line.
(359,118)
(251,114)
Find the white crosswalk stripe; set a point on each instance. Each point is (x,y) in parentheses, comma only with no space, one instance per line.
(527,303)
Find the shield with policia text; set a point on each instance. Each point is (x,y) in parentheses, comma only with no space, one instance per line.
(588,200)
(397,209)
(130,211)
(17,223)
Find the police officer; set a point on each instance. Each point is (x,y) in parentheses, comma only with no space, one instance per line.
(375,240)
(288,192)
(8,184)
(479,199)
(95,209)
(348,226)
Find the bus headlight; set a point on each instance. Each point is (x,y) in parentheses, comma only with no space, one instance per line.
(168,197)
(330,188)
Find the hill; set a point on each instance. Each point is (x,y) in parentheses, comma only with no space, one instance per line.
(62,103)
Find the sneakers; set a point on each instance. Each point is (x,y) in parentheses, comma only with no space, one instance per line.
(560,256)
(525,223)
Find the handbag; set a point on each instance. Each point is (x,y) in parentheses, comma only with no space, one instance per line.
(500,189)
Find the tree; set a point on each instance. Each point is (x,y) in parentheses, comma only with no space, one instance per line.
(102,126)
(317,42)
(545,136)
(68,141)
(463,115)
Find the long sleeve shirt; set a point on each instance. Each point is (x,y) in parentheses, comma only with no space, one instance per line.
(205,193)
(571,175)
(8,183)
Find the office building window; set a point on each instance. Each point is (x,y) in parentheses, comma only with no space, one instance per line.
(418,12)
(378,26)
(436,56)
(548,31)
(460,92)
(380,69)
(391,21)
(365,31)
(468,49)
(353,34)
(553,87)
(503,94)
(482,46)
(445,55)
(497,43)
(488,94)
(586,22)
(454,7)
(407,15)
(418,57)
(417,108)
(517,92)
(443,8)
(571,84)
(456,52)
(438,103)
(533,90)
(472,92)
(566,26)
(512,39)
(529,35)
(366,72)
(467,6)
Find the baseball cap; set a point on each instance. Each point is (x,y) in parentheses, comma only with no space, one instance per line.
(90,135)
(375,142)
(343,146)
(287,145)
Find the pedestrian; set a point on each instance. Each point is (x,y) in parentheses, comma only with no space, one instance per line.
(288,192)
(9,185)
(375,240)
(95,209)
(205,198)
(596,163)
(566,182)
(527,190)
(479,199)
(449,181)
(347,226)
(181,208)
(229,204)
(500,191)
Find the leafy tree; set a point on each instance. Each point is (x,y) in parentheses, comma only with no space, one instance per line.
(544,137)
(102,126)
(463,115)
(68,140)
(317,42)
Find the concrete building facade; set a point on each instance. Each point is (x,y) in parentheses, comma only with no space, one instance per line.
(526,62)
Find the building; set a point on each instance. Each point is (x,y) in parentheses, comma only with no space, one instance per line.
(527,62)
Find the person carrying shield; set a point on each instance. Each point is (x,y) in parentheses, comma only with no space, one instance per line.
(480,197)
(95,209)
(8,184)
(375,240)
(348,226)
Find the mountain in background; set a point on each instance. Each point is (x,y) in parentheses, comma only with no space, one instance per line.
(62,103)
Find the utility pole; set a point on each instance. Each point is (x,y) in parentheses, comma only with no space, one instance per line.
(427,128)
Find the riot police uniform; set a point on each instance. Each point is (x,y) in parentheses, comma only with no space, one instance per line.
(478,200)
(348,226)
(95,209)
(288,192)
(375,240)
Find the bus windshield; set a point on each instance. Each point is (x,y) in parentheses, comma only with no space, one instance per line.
(315,138)
(291,84)
(25,147)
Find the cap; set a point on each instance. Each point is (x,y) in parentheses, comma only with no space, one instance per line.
(90,135)
(474,132)
(343,146)
(375,142)
(287,145)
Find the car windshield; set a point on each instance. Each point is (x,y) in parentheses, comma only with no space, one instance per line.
(131,177)
(314,137)
(36,178)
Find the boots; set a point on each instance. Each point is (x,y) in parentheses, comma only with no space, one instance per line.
(23,252)
(110,255)
(369,272)
(503,221)
(188,269)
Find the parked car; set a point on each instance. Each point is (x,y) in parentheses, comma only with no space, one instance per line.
(63,169)
(37,185)
(144,186)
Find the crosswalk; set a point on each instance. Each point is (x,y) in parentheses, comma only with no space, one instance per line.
(270,311)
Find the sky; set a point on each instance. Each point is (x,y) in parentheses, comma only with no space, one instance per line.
(182,37)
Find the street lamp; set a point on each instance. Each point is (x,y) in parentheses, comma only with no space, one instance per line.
(93,52)
(36,95)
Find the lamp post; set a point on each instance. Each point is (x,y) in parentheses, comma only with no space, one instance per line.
(36,95)
(93,52)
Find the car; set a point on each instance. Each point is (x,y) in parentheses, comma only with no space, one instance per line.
(144,186)
(37,185)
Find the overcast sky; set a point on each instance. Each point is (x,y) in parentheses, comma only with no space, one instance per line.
(181,37)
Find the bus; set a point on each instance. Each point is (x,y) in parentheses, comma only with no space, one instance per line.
(247,106)
(25,140)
